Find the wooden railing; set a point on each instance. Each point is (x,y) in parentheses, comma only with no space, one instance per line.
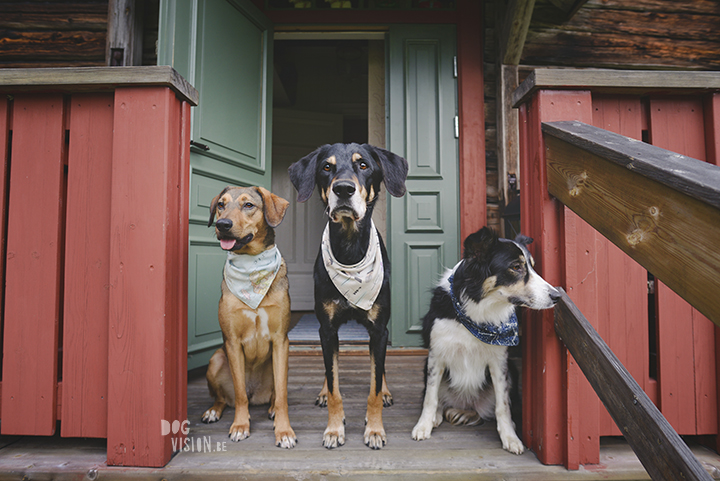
(663,210)
(670,348)
(94,185)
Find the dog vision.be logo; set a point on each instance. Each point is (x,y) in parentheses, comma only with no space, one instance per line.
(182,442)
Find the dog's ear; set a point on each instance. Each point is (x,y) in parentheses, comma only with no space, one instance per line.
(394,168)
(523,239)
(274,207)
(302,173)
(480,243)
(213,205)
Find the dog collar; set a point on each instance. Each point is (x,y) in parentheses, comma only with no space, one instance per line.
(506,334)
(249,277)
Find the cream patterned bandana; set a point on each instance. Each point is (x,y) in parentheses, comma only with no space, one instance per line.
(359,283)
(250,277)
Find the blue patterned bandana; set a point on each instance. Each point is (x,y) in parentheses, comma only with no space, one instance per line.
(506,334)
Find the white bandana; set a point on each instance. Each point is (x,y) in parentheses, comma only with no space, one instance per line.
(250,277)
(360,283)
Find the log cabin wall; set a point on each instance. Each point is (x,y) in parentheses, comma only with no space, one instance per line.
(36,34)
(642,34)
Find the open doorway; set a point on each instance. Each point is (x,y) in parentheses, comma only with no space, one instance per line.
(327,88)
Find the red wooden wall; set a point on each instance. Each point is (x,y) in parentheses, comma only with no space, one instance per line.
(94,217)
(562,417)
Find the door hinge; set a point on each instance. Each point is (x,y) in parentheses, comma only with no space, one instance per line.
(199,145)
(457,127)
(455,66)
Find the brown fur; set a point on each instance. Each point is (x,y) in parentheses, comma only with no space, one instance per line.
(252,365)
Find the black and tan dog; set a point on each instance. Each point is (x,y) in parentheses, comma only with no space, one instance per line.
(352,270)
(254,313)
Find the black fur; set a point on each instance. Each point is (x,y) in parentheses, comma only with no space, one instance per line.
(348,242)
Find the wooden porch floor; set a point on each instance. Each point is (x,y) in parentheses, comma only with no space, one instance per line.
(451,453)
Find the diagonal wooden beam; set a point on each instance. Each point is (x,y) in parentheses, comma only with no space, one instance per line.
(661,208)
(514,29)
(658,447)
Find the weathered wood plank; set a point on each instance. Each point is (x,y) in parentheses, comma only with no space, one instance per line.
(96,78)
(617,82)
(659,448)
(661,208)
(514,29)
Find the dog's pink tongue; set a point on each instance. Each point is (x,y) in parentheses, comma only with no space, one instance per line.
(227,244)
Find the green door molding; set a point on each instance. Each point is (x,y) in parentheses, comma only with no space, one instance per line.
(423,226)
(223,48)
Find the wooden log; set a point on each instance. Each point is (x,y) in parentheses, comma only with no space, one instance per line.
(658,447)
(660,208)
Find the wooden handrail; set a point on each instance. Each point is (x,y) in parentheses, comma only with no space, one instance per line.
(661,208)
(658,447)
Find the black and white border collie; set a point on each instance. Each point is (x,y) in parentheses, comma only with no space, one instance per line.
(494,276)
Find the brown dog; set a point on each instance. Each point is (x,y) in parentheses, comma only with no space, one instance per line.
(252,365)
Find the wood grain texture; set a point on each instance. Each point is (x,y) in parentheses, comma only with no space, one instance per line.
(33,267)
(618,82)
(622,307)
(657,445)
(664,226)
(688,401)
(545,400)
(87,253)
(96,78)
(144,302)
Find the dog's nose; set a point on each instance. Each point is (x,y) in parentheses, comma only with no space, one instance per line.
(223,225)
(344,189)
(555,296)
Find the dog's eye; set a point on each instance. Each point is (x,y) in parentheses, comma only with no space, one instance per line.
(248,205)
(517,267)
(362,166)
(327,167)
(221,206)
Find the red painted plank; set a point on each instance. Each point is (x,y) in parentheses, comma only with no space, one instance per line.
(622,283)
(687,401)
(87,255)
(473,183)
(33,266)
(5,127)
(548,432)
(143,322)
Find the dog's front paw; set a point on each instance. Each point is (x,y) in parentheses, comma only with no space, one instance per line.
(387,399)
(239,431)
(285,439)
(333,438)
(421,431)
(375,438)
(211,416)
(513,445)
(321,400)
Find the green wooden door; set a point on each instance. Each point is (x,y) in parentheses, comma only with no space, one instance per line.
(423,226)
(224,48)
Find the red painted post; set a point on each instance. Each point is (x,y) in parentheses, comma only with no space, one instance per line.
(33,266)
(473,212)
(550,377)
(5,127)
(87,249)
(145,307)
